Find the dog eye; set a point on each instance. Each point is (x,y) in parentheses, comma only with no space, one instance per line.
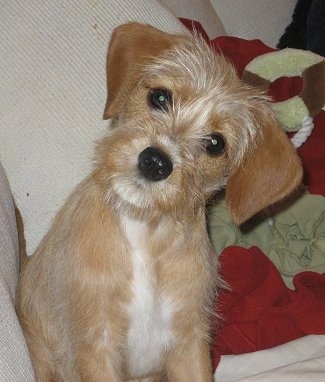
(214,144)
(159,98)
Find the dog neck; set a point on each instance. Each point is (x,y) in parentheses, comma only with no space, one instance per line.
(185,212)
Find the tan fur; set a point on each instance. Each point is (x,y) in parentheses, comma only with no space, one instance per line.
(76,294)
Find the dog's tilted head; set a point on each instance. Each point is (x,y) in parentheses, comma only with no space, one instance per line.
(184,125)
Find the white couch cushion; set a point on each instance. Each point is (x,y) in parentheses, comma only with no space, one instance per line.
(265,20)
(15,365)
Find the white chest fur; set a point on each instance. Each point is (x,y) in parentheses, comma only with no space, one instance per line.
(150,313)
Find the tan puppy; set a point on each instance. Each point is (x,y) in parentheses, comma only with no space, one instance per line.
(121,287)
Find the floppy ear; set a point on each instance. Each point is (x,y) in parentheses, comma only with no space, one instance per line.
(130,47)
(270,172)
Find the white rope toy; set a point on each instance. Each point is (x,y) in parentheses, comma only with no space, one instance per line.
(303,133)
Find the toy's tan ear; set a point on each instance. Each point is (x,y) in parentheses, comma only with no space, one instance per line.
(130,47)
(269,173)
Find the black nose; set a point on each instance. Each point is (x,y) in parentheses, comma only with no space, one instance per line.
(154,165)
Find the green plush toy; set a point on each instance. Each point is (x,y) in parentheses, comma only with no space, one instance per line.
(296,113)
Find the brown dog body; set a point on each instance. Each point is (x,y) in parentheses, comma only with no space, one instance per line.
(122,285)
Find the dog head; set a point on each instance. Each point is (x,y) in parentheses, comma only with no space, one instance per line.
(184,125)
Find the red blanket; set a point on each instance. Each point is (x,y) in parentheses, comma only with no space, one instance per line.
(259,311)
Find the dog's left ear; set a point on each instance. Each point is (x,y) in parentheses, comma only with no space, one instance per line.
(269,173)
(130,47)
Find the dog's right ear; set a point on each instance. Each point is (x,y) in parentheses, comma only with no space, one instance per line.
(130,47)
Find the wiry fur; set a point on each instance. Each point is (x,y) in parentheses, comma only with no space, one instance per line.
(122,285)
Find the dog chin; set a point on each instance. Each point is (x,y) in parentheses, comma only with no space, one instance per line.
(143,195)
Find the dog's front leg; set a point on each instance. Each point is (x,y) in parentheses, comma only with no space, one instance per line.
(190,362)
(92,367)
